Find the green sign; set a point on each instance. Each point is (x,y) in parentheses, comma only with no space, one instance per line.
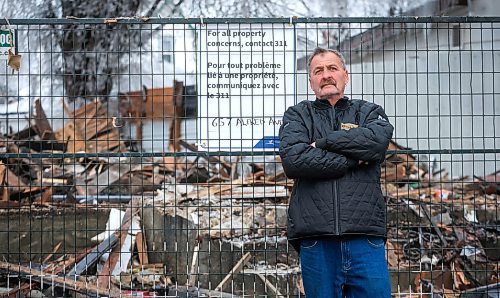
(5,38)
(5,43)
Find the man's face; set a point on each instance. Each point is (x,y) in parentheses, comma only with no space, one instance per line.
(328,77)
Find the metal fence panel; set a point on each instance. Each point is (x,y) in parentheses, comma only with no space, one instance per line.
(107,188)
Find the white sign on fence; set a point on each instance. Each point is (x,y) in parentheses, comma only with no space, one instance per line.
(246,83)
(5,43)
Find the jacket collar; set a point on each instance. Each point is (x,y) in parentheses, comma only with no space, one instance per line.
(324,104)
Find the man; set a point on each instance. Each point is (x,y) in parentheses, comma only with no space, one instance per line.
(333,148)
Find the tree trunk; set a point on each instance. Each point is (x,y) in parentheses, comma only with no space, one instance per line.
(91,52)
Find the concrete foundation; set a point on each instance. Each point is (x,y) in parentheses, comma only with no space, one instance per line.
(30,234)
(172,240)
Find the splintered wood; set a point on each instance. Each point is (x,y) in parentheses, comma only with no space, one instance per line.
(90,130)
(432,220)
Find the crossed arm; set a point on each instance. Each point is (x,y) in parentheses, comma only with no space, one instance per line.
(367,143)
(300,159)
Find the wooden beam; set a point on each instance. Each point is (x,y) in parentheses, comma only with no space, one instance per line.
(215,189)
(87,111)
(269,285)
(54,250)
(43,127)
(236,269)
(3,185)
(175,124)
(92,257)
(142,248)
(77,286)
(10,182)
(139,118)
(104,275)
(194,264)
(47,195)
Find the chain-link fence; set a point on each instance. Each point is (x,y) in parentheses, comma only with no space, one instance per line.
(139,156)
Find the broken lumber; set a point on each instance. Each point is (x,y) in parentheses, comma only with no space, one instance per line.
(175,124)
(42,126)
(94,255)
(142,249)
(39,276)
(111,175)
(194,263)
(236,269)
(269,285)
(105,274)
(209,158)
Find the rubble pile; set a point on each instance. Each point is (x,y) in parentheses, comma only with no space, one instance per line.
(443,234)
(36,171)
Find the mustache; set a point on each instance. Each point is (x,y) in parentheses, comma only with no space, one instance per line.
(328,82)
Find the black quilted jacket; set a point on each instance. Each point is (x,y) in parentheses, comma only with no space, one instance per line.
(337,184)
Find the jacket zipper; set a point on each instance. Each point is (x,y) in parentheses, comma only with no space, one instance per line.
(335,193)
(337,212)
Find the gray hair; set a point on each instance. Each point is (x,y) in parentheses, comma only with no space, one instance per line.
(319,51)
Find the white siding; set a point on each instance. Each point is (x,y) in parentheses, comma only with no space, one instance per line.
(437,96)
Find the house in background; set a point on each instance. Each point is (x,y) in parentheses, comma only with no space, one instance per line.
(165,55)
(437,82)
(148,91)
(14,114)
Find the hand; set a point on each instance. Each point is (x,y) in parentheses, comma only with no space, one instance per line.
(314,144)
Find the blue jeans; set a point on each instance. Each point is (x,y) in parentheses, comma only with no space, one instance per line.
(353,267)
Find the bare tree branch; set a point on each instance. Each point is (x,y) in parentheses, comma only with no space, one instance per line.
(153,8)
(176,7)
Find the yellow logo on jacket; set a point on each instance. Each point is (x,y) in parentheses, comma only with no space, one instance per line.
(347,126)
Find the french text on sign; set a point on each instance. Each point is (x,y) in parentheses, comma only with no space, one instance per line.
(246,83)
